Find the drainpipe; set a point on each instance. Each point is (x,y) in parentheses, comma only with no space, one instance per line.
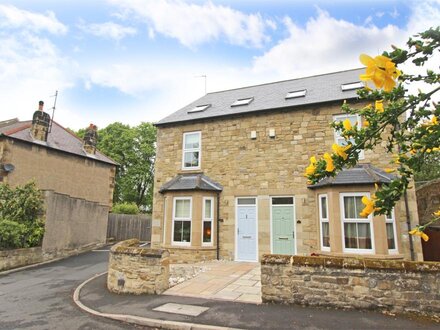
(408,223)
(218,226)
(408,219)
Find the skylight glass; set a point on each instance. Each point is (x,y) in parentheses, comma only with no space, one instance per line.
(351,86)
(240,102)
(295,94)
(199,108)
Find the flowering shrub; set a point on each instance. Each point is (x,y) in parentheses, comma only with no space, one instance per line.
(408,121)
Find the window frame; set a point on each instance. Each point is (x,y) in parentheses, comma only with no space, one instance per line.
(368,220)
(322,220)
(341,117)
(199,150)
(181,219)
(211,219)
(392,220)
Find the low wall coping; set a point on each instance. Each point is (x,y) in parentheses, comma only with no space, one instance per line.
(131,247)
(350,263)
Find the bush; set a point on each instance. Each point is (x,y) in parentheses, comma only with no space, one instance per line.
(21,216)
(125,208)
(12,234)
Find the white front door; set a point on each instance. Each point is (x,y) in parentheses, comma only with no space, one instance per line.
(246,229)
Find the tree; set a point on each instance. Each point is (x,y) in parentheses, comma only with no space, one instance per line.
(406,120)
(429,170)
(134,148)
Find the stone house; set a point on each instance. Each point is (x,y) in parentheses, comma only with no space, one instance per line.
(77,178)
(229,178)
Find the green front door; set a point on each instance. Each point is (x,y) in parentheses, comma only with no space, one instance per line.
(283,230)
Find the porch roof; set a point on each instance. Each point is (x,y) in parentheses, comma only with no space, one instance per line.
(184,182)
(357,175)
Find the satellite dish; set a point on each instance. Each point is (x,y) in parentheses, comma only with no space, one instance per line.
(8,167)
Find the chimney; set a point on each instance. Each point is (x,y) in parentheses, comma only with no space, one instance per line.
(90,139)
(40,123)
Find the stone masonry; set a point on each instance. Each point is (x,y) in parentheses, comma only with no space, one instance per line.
(136,270)
(263,167)
(387,285)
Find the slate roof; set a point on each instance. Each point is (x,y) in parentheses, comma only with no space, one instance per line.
(191,182)
(59,139)
(320,89)
(357,175)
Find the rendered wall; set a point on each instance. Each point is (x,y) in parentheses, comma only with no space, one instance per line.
(73,223)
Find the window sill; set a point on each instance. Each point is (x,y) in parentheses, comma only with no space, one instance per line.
(190,171)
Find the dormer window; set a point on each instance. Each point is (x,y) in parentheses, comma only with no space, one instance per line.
(199,108)
(352,86)
(295,94)
(241,102)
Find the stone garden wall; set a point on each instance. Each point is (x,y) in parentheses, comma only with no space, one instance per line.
(388,285)
(136,270)
(20,257)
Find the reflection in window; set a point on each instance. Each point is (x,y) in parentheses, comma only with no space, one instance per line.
(191,150)
(208,219)
(182,220)
(357,229)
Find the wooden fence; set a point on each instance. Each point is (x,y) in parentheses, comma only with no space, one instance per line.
(126,226)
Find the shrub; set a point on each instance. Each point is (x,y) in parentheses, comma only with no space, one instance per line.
(125,208)
(12,234)
(21,216)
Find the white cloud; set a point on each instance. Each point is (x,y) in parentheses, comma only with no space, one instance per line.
(31,69)
(324,44)
(13,17)
(109,30)
(194,24)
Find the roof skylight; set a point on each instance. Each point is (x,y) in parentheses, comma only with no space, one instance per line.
(240,102)
(199,108)
(351,86)
(295,94)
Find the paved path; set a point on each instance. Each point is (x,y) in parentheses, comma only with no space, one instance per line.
(239,315)
(41,297)
(233,281)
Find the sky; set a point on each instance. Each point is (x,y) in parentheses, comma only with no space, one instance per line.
(137,61)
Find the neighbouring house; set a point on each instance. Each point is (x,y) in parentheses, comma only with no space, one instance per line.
(77,179)
(229,178)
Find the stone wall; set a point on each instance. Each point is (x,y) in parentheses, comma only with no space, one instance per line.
(137,270)
(192,255)
(72,223)
(62,172)
(428,200)
(10,259)
(388,285)
(262,167)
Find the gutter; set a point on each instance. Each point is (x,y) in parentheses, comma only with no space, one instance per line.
(218,225)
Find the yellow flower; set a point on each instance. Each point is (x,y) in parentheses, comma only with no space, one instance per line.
(366,123)
(381,70)
(341,150)
(347,124)
(330,167)
(310,170)
(437,213)
(417,232)
(435,149)
(390,170)
(369,207)
(379,106)
(434,120)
